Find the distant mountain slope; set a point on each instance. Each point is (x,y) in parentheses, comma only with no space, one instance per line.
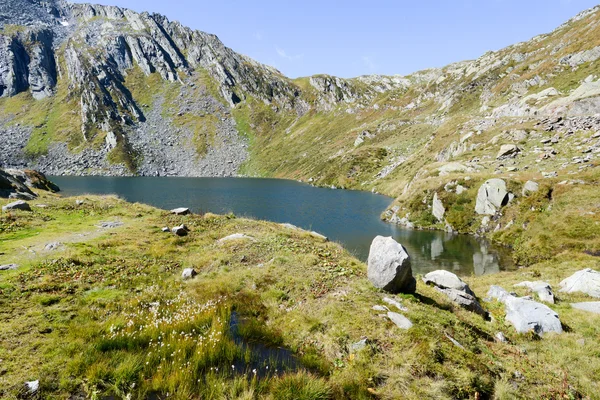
(102,90)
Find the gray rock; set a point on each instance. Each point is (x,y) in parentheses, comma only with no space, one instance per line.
(166,229)
(235,236)
(53,246)
(17,205)
(400,320)
(525,314)
(290,226)
(319,236)
(32,387)
(497,293)
(454,341)
(188,273)
(508,151)
(499,336)
(586,281)
(389,266)
(180,230)
(590,306)
(464,300)
(110,224)
(542,289)
(491,197)
(180,211)
(394,303)
(8,267)
(460,189)
(79,202)
(358,346)
(437,208)
(447,280)
(530,187)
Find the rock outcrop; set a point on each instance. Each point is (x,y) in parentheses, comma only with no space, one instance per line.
(17,184)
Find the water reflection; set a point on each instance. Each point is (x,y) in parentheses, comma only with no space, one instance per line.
(461,254)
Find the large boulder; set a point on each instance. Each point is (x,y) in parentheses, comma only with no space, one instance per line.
(389,266)
(34,179)
(17,205)
(437,208)
(492,196)
(180,230)
(525,314)
(586,281)
(446,280)
(188,273)
(17,184)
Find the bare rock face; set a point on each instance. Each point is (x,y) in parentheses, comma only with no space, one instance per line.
(389,266)
(508,151)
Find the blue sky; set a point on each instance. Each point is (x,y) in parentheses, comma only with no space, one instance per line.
(351,38)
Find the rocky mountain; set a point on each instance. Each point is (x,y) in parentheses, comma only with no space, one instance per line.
(89,89)
(110,70)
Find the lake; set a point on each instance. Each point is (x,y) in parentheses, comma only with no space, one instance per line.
(351,218)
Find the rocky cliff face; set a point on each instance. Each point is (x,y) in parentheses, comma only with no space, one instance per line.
(93,50)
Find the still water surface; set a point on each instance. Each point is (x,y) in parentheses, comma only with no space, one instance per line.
(348,217)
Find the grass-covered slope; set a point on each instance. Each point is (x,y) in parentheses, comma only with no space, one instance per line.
(107,313)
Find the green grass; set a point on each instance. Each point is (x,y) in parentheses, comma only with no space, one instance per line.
(107,314)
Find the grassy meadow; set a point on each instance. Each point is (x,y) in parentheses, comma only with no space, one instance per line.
(107,315)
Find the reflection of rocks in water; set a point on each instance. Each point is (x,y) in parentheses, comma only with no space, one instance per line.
(437,248)
(485,262)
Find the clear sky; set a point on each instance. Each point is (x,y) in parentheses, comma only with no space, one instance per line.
(351,38)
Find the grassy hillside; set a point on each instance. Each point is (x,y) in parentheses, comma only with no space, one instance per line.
(107,313)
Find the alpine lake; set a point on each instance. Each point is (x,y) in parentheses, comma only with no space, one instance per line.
(351,218)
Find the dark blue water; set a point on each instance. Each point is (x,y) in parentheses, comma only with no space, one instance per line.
(351,218)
